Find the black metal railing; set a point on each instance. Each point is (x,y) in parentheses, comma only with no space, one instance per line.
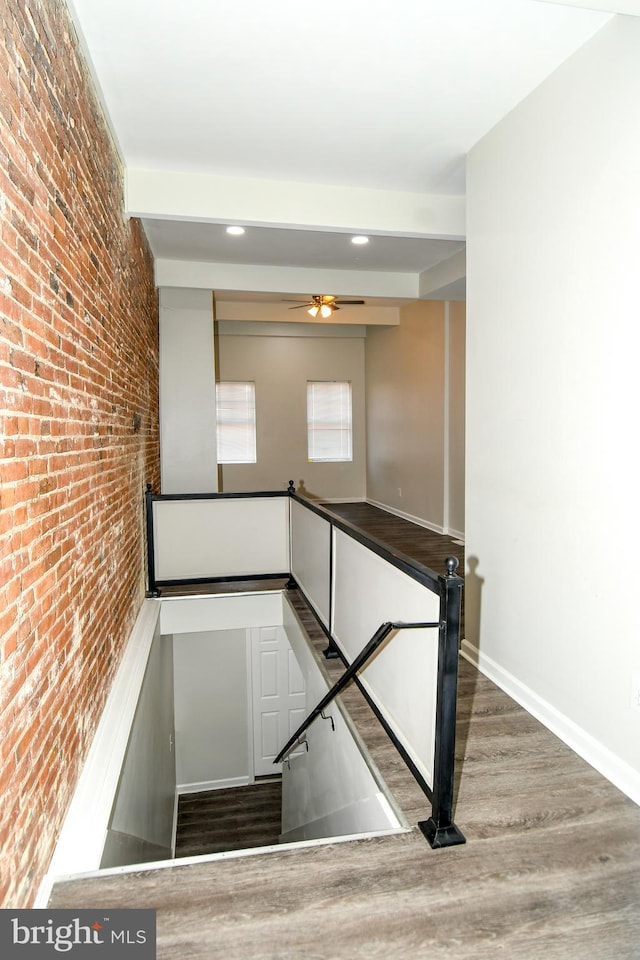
(154,584)
(439,828)
(360,661)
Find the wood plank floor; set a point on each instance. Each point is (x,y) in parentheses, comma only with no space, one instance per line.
(550,870)
(419,543)
(234,819)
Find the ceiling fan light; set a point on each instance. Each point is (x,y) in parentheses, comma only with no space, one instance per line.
(359,240)
(314,311)
(235,231)
(326,310)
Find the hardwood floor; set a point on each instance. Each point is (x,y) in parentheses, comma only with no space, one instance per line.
(420,543)
(550,870)
(234,819)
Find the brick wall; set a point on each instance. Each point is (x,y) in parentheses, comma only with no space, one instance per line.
(78,427)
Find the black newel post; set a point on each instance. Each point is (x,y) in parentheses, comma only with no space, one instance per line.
(152,590)
(291,583)
(440,829)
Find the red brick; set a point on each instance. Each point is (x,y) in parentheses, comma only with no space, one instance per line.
(78,322)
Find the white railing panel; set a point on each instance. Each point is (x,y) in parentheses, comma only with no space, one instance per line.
(402,677)
(220,537)
(234,611)
(310,557)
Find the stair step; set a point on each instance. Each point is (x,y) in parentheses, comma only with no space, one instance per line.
(234,819)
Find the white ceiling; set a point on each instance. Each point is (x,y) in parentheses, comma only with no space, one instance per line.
(309,121)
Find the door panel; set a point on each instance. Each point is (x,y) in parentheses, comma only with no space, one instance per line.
(279,701)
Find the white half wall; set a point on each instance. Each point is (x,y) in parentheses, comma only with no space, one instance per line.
(220,537)
(402,675)
(311,558)
(187,392)
(553,394)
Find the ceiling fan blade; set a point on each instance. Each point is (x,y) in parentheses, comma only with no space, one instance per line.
(352,302)
(307,303)
(290,300)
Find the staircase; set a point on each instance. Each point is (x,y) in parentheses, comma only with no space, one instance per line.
(236,819)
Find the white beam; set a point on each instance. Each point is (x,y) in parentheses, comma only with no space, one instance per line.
(443,274)
(249,311)
(305,206)
(295,280)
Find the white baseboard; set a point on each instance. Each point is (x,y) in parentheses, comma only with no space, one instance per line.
(343,500)
(407,516)
(618,771)
(213,785)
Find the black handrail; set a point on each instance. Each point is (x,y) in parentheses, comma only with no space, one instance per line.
(439,829)
(365,654)
(416,570)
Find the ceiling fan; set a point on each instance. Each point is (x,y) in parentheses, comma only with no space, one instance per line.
(323,304)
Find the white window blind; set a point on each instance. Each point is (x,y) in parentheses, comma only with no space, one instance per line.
(236,422)
(329,420)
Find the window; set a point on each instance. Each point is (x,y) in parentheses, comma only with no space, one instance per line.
(236,422)
(329,420)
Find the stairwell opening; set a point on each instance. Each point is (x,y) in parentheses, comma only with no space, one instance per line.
(238,818)
(328,790)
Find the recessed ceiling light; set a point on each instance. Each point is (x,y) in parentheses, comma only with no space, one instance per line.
(359,241)
(235,231)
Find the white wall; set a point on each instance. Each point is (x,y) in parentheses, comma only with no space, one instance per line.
(187,392)
(553,396)
(281,365)
(82,838)
(141,824)
(211,669)
(211,709)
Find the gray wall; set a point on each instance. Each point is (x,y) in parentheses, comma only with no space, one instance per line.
(280,363)
(455,428)
(187,392)
(415,422)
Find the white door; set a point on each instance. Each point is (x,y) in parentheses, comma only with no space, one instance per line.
(279,704)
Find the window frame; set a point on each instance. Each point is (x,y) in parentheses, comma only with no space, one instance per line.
(342,452)
(249,423)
